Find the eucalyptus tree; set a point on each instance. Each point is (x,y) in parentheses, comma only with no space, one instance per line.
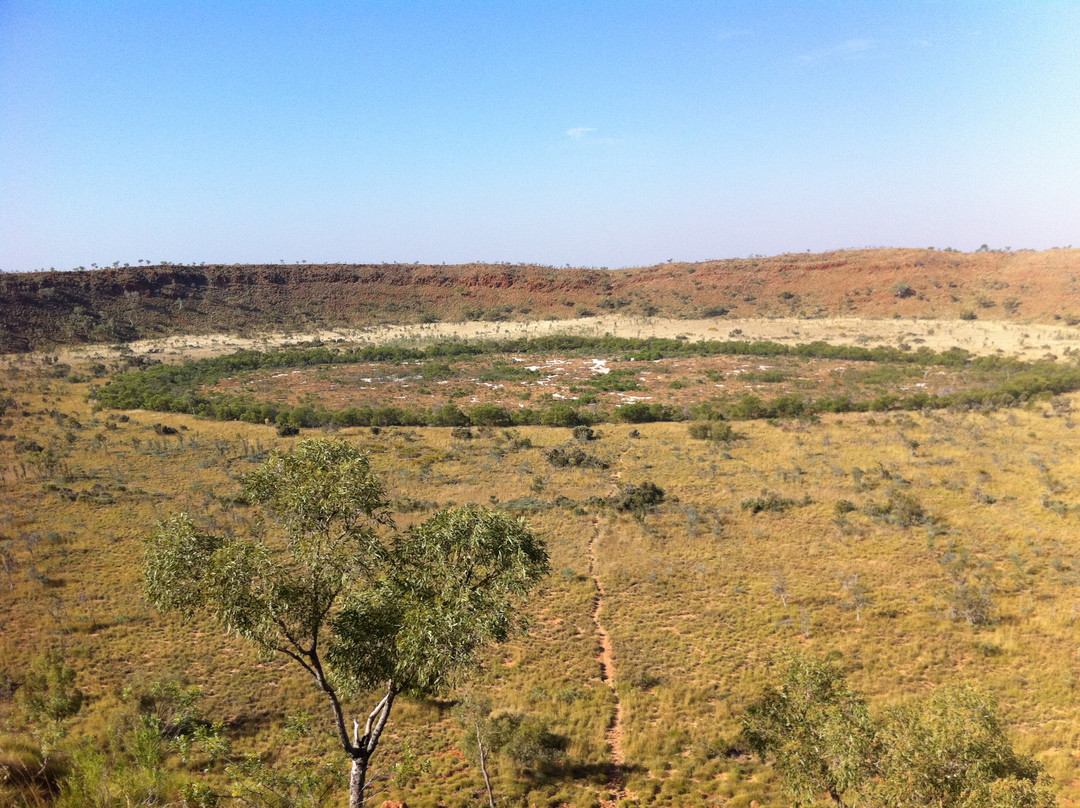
(946,750)
(816,728)
(359,606)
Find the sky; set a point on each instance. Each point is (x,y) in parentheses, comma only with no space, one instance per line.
(605,134)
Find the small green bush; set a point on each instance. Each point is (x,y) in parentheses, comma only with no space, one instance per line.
(639,499)
(719,431)
(772,501)
(573,456)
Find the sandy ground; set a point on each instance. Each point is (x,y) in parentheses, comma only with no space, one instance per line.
(1028,341)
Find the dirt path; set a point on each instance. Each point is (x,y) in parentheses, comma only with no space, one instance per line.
(614,732)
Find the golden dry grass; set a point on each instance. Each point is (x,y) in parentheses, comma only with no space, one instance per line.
(691,603)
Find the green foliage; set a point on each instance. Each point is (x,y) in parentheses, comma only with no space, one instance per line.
(449,415)
(901,509)
(518,739)
(773,502)
(951,750)
(842,507)
(717,431)
(639,500)
(970,601)
(948,750)
(129,768)
(562,414)
(354,609)
(436,370)
(490,415)
(503,372)
(575,456)
(772,376)
(614,381)
(454,583)
(584,434)
(749,407)
(307,783)
(49,693)
(638,412)
(817,730)
(183,388)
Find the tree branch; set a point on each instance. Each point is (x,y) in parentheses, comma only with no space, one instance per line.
(298,658)
(371,736)
(335,703)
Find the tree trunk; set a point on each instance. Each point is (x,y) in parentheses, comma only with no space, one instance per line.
(483,768)
(836,797)
(358,782)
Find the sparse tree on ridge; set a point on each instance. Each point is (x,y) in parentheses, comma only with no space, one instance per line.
(360,608)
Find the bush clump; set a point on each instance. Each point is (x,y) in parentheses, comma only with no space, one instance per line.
(639,499)
(639,412)
(561,457)
(900,509)
(772,501)
(584,434)
(718,431)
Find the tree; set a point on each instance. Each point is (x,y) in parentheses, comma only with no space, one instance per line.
(526,740)
(49,693)
(354,603)
(474,715)
(948,750)
(49,697)
(817,729)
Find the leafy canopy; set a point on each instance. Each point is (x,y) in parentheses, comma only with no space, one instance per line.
(818,730)
(331,585)
(949,750)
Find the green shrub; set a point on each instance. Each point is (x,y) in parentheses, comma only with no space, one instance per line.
(584,434)
(772,501)
(449,415)
(719,431)
(573,456)
(489,415)
(562,414)
(638,412)
(900,509)
(639,499)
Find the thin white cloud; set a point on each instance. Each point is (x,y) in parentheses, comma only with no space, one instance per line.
(848,49)
(733,33)
(579,132)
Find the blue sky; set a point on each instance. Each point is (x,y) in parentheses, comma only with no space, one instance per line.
(584,133)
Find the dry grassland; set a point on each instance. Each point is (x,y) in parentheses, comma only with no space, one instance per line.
(878,525)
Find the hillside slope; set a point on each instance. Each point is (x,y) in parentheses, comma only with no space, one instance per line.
(43,309)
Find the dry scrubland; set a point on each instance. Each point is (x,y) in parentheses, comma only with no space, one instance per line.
(982,337)
(46,309)
(863,535)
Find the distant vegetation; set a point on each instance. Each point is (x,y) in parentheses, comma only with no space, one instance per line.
(183,388)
